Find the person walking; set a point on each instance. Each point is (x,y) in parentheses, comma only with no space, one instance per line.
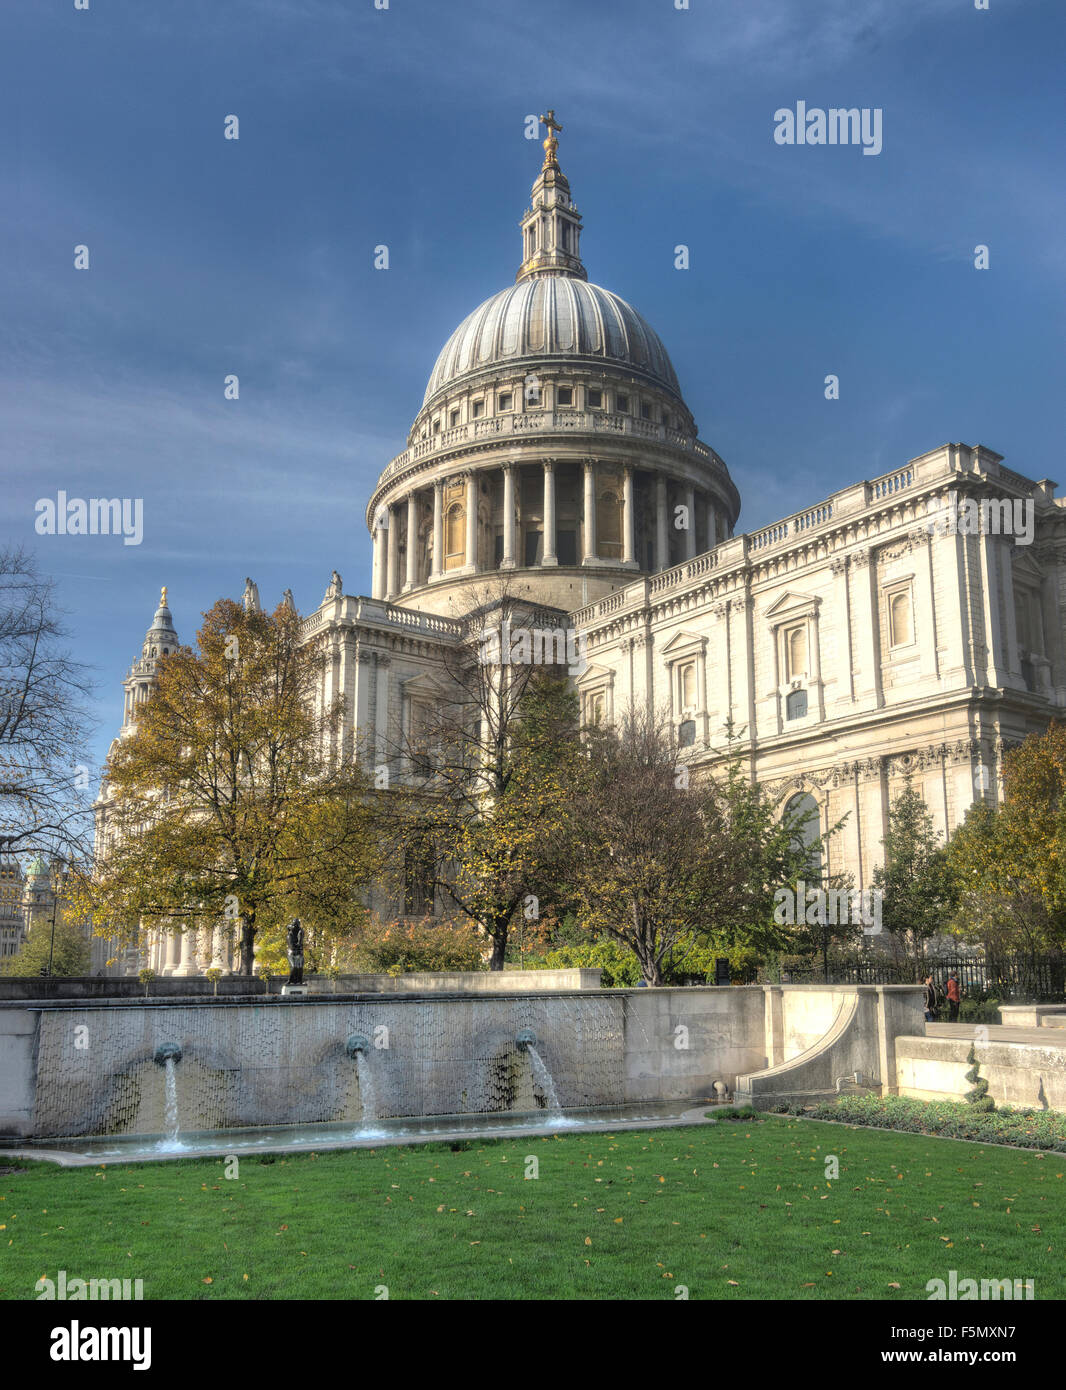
(954,997)
(930,1000)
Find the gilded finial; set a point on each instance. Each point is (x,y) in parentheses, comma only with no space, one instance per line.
(163,597)
(551,144)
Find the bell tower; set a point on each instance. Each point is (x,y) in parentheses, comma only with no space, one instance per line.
(160,640)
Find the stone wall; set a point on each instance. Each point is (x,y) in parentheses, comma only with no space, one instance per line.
(1019,1074)
(89,1069)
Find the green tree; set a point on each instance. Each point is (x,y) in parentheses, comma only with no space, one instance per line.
(70,952)
(1008,863)
(917,892)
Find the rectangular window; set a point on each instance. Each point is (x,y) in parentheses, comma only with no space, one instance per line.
(479,407)
(566,547)
(436,425)
(564,396)
(796,704)
(453,418)
(595,398)
(622,403)
(645,410)
(505,401)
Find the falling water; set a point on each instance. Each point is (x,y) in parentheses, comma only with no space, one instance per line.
(173,1126)
(542,1076)
(367,1095)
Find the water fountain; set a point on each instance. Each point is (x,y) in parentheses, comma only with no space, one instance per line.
(358,1049)
(526,1041)
(167,1056)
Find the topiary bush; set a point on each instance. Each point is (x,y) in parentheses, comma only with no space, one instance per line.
(978,1097)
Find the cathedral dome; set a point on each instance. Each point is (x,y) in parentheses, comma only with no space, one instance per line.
(550,316)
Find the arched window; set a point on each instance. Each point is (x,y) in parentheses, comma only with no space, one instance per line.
(454,538)
(803,808)
(900,629)
(686,686)
(796,652)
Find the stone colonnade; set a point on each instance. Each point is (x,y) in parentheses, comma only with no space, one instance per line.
(388,582)
(192,951)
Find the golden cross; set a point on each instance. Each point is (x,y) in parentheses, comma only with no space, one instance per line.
(163,597)
(550,121)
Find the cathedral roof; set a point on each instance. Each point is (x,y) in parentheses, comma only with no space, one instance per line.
(551,315)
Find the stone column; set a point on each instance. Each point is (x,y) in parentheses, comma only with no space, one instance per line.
(471,522)
(412,541)
(508,561)
(392,578)
(549,556)
(662,522)
(689,539)
(381,709)
(187,965)
(588,527)
(628,518)
(381,541)
(173,953)
(712,524)
(438,530)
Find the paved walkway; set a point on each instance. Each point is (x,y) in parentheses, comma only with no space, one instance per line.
(1041,1037)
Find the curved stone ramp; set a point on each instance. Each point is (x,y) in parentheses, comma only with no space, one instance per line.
(856,1055)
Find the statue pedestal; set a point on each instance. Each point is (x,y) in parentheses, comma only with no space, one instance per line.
(294,989)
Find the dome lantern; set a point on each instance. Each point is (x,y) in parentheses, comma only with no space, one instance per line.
(551,229)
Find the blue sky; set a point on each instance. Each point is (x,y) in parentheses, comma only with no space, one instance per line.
(406,126)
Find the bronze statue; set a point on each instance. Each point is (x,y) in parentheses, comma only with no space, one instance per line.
(295,952)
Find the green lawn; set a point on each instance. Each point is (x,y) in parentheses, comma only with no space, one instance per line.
(737,1210)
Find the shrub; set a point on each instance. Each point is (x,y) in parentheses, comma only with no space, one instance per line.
(1023,1128)
(397,948)
(733,1112)
(979,1011)
(619,966)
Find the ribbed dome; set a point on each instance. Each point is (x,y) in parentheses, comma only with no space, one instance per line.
(552,315)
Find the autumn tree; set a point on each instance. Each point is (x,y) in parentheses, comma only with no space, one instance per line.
(489,768)
(671,857)
(237,797)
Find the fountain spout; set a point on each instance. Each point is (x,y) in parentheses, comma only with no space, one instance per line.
(356,1044)
(526,1039)
(167,1052)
